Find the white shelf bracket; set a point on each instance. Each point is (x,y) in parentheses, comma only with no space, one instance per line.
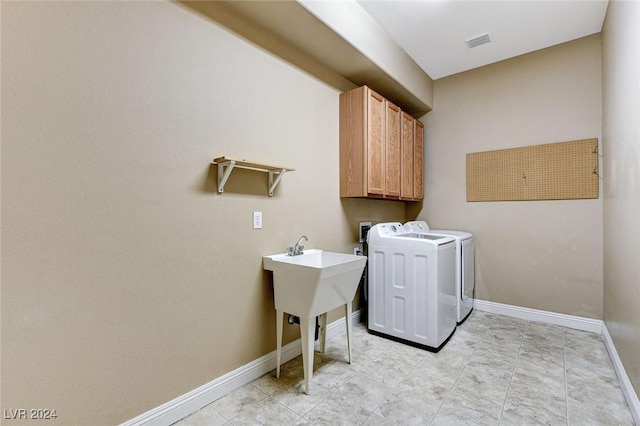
(224,170)
(226,166)
(272,183)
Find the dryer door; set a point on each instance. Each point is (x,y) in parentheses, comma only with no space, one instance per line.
(468,269)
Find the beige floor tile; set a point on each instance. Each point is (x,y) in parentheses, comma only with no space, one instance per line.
(365,391)
(405,406)
(337,410)
(448,416)
(294,398)
(526,411)
(494,370)
(207,416)
(239,400)
(481,408)
(266,412)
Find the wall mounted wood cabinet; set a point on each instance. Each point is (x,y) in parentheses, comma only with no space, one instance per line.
(393,151)
(381,148)
(418,162)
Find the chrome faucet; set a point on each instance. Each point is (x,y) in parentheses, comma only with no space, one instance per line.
(297,249)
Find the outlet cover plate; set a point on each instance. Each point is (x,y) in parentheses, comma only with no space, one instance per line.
(257,220)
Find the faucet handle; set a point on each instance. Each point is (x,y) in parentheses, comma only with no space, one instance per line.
(290,250)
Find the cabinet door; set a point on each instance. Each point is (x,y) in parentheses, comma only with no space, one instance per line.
(418,159)
(392,161)
(375,143)
(407,156)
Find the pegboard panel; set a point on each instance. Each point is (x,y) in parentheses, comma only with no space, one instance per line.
(555,171)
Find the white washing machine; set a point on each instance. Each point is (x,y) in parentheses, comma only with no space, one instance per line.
(411,289)
(465,264)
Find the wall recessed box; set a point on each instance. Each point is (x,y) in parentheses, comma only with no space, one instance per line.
(227,164)
(555,171)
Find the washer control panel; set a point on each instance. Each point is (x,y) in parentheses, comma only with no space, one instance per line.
(391,229)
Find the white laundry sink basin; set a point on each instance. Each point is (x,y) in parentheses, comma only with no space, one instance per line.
(315,282)
(310,285)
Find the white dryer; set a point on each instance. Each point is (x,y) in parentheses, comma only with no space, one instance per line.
(465,264)
(411,288)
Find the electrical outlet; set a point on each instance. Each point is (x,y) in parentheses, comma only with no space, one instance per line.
(257,220)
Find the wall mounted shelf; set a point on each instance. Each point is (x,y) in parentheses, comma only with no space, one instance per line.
(227,164)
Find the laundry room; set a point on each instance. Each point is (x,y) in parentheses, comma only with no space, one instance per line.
(153,153)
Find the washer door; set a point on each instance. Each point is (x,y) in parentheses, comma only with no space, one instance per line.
(468,269)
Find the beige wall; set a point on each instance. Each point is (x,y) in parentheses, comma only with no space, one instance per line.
(537,254)
(621,143)
(352,22)
(126,279)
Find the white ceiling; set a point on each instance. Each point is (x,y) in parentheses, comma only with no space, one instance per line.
(433,32)
(349,43)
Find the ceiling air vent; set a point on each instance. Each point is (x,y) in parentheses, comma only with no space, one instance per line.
(478,40)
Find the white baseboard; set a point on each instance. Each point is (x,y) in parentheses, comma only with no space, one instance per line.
(625,383)
(180,407)
(571,321)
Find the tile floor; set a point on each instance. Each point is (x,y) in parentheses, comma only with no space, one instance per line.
(495,370)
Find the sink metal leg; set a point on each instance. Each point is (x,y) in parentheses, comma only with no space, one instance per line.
(279,323)
(347,318)
(323,332)
(308,332)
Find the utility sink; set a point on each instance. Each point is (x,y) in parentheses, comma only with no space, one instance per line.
(310,285)
(314,282)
